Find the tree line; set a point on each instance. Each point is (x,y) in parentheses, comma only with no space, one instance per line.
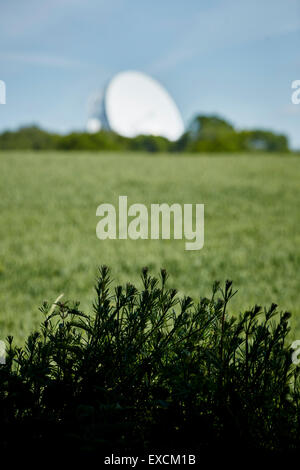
(204,134)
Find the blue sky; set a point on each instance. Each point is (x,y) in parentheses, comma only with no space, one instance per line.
(236,58)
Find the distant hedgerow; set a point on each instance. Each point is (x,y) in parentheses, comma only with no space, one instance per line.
(149,370)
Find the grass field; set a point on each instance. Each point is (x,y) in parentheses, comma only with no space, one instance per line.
(48,221)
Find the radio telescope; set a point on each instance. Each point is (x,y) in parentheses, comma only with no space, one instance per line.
(133,104)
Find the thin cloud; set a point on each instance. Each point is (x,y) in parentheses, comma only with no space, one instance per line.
(230,24)
(40,59)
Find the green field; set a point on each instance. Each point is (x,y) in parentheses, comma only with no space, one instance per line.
(48,221)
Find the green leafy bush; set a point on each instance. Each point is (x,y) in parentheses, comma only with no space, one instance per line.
(213,134)
(149,370)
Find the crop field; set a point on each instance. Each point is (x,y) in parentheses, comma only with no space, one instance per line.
(48,228)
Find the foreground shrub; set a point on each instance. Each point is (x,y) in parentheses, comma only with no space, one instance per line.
(148,370)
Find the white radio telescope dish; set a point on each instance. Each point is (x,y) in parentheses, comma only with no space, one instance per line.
(135,104)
